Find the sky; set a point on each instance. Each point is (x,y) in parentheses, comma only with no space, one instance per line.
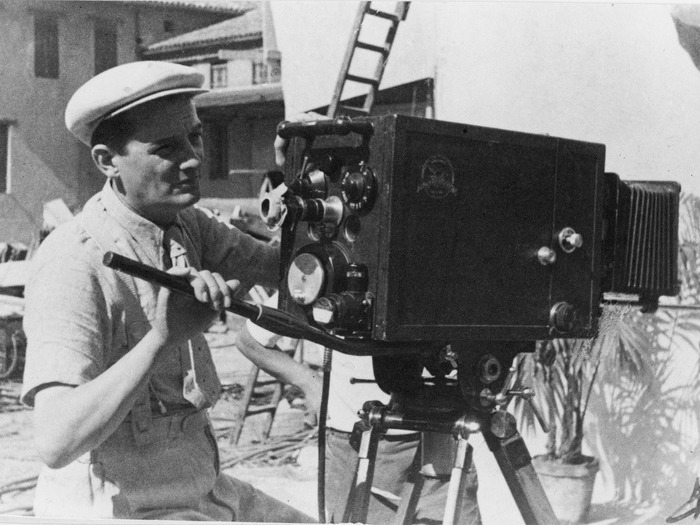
(600,72)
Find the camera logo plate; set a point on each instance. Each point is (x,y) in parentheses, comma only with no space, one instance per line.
(437,177)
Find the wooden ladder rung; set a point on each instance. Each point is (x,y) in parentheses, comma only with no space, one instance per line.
(265,382)
(363,80)
(259,409)
(384,50)
(383,14)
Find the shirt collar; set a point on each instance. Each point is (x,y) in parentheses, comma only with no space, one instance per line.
(147,235)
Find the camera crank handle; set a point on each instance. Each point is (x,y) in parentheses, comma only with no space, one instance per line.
(508,383)
(507,393)
(528,393)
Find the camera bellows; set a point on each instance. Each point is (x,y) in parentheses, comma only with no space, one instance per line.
(642,244)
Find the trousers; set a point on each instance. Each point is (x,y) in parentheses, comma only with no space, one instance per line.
(393,470)
(174,477)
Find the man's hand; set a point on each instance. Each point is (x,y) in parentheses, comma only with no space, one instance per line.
(179,318)
(281,144)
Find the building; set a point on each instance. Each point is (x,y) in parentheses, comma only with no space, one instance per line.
(49,48)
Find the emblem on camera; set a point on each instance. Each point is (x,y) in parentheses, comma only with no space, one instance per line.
(437,177)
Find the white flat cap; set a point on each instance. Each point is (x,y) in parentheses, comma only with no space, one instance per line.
(124,87)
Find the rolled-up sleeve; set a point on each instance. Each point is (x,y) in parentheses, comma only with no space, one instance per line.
(237,255)
(66,323)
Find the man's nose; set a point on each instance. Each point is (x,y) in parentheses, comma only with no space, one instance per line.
(191,157)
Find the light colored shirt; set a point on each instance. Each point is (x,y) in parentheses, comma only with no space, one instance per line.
(76,312)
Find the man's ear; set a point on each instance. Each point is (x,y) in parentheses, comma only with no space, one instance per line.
(103,157)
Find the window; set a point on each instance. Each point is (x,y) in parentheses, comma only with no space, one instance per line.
(45,45)
(265,72)
(168,26)
(105,45)
(274,70)
(217,141)
(4,157)
(259,73)
(219,76)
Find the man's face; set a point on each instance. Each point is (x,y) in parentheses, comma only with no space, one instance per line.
(159,167)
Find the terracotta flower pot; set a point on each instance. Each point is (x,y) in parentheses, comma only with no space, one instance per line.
(569,488)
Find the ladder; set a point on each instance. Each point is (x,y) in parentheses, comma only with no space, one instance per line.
(382,52)
(267,385)
(256,385)
(253,386)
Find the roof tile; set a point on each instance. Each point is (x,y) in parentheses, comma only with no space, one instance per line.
(223,6)
(244,27)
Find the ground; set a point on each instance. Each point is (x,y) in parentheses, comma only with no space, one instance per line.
(283,466)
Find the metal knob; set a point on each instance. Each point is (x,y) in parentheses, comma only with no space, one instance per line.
(569,240)
(325,311)
(563,317)
(272,208)
(546,256)
(503,398)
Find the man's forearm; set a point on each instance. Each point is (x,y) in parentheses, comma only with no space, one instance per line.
(281,366)
(71,421)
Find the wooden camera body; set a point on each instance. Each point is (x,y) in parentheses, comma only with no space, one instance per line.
(399,228)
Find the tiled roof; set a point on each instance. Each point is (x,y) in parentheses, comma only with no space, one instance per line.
(244,27)
(220,6)
(238,96)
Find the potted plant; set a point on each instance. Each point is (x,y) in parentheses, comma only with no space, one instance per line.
(562,373)
(626,366)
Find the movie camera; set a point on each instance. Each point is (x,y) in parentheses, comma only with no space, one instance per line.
(415,234)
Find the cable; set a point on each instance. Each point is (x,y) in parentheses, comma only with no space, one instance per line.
(323,411)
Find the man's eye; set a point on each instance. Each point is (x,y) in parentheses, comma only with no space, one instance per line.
(162,148)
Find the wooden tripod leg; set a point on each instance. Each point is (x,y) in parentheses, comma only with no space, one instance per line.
(358,501)
(515,462)
(463,461)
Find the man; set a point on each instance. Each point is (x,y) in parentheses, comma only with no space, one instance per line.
(118,370)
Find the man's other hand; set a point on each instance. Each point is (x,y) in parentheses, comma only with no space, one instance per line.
(179,318)
(281,144)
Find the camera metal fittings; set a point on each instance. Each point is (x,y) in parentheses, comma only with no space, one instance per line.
(349,309)
(305,199)
(359,188)
(569,240)
(309,197)
(321,276)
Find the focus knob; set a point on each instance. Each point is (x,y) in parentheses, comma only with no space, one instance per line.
(569,240)
(563,317)
(354,187)
(359,188)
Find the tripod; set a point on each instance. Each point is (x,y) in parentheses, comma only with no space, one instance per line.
(431,408)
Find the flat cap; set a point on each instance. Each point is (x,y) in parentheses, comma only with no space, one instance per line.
(123,87)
